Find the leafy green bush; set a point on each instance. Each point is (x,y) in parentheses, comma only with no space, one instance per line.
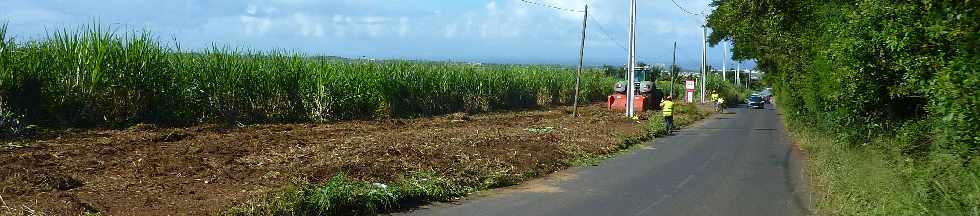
(733,94)
(655,126)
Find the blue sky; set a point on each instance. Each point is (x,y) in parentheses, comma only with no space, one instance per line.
(505,31)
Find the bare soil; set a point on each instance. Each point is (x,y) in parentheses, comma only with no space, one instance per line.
(204,170)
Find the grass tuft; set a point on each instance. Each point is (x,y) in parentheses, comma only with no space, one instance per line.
(342,195)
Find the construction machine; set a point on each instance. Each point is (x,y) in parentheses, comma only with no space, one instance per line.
(646,96)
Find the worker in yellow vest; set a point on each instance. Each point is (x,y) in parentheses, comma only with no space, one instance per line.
(667,106)
(714,99)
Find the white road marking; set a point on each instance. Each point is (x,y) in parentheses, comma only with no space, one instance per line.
(686,180)
(655,203)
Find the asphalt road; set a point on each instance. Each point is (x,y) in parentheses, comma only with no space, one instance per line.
(731,164)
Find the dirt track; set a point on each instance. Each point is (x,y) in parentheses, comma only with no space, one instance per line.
(207,169)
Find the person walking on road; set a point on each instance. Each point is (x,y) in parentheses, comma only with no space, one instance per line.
(667,106)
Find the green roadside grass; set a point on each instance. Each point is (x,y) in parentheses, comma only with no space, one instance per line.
(874,179)
(343,195)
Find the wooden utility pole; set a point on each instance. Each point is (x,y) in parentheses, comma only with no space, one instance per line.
(581,62)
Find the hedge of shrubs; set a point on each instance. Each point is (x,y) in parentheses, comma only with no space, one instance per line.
(894,78)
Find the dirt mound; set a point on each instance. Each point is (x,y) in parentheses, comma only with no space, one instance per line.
(207,169)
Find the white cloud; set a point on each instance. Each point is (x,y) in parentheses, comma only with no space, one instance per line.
(521,11)
(338,26)
(403,26)
(270,10)
(33,15)
(373,20)
(663,26)
(252,9)
(492,8)
(373,25)
(304,18)
(450,31)
(495,26)
(254,25)
(308,26)
(497,19)
(508,20)
(484,30)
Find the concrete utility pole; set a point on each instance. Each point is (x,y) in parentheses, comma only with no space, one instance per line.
(724,62)
(704,60)
(673,63)
(581,62)
(630,88)
(738,70)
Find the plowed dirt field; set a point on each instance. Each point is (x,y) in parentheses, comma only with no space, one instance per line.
(145,170)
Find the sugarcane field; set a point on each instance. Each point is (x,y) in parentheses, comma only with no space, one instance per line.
(489,107)
(141,128)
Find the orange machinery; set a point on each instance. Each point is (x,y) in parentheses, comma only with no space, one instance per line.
(646,96)
(644,99)
(618,102)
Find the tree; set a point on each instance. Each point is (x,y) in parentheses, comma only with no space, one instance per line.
(852,67)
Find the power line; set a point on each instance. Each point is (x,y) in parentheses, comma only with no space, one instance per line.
(601,28)
(552,6)
(610,38)
(685,10)
(605,33)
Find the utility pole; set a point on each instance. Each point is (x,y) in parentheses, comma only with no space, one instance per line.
(738,70)
(673,63)
(748,82)
(631,73)
(724,62)
(581,61)
(704,60)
